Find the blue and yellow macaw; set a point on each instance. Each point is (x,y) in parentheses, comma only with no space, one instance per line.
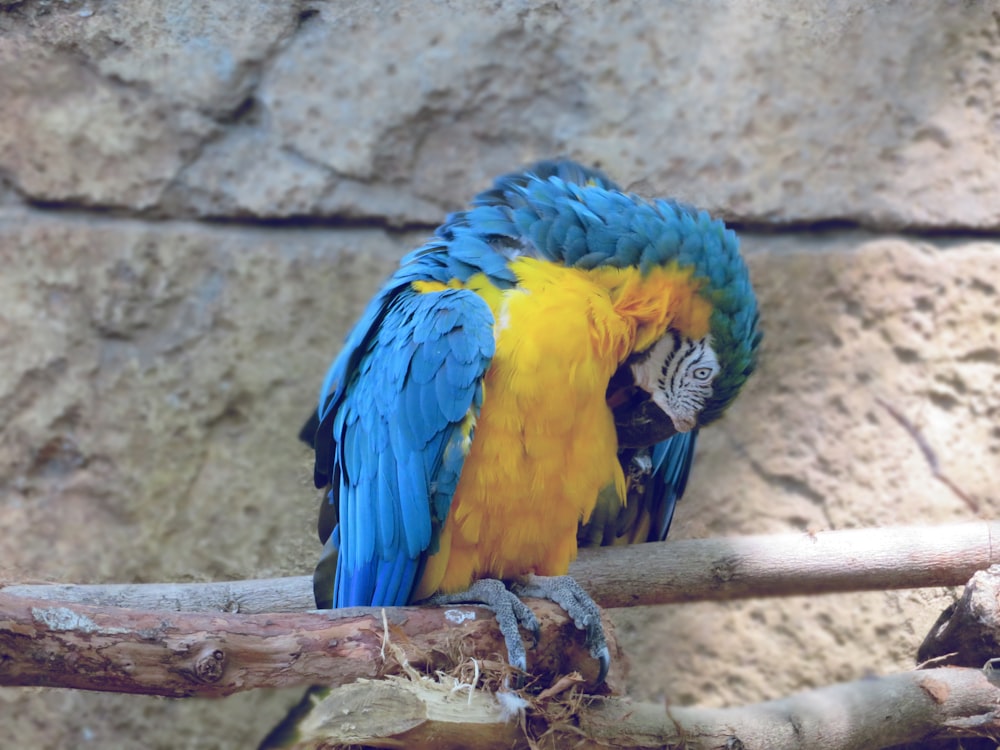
(530,380)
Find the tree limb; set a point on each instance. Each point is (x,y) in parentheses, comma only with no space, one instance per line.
(66,644)
(662,573)
(63,644)
(424,713)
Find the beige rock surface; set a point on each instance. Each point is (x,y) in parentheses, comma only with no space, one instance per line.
(154,378)
(104,104)
(156,366)
(882,115)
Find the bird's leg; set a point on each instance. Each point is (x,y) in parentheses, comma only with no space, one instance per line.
(511,614)
(586,615)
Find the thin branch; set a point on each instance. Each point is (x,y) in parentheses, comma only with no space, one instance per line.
(662,573)
(62,644)
(425,714)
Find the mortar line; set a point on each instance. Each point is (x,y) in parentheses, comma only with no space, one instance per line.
(829,227)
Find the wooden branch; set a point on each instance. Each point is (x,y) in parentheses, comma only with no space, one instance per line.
(62,644)
(864,715)
(256,596)
(967,634)
(65,644)
(663,573)
(788,564)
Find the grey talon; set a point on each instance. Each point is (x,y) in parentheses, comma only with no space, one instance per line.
(604,659)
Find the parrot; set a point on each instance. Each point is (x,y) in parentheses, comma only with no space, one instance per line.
(529,381)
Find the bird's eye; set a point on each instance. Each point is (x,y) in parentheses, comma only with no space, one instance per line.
(702,373)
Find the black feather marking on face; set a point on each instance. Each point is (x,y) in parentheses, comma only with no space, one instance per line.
(667,374)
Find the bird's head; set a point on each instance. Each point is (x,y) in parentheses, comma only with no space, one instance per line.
(677,374)
(686,378)
(689,372)
(685,370)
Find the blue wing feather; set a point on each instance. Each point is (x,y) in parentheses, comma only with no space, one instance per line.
(671,467)
(460,374)
(388,509)
(394,405)
(414,502)
(395,588)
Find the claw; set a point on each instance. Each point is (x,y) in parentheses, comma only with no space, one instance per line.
(604,659)
(584,612)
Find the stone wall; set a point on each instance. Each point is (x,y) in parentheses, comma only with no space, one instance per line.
(197,199)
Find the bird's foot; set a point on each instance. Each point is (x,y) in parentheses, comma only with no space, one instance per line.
(586,615)
(511,614)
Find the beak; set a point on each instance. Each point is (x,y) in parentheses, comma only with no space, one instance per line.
(639,422)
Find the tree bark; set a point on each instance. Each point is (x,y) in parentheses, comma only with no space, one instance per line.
(660,573)
(63,644)
(967,634)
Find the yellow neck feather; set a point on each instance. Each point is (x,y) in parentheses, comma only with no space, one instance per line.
(645,304)
(665,297)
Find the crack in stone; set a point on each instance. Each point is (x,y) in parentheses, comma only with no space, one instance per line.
(842,225)
(154,214)
(70,212)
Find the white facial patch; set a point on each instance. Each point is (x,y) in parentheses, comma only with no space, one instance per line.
(678,374)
